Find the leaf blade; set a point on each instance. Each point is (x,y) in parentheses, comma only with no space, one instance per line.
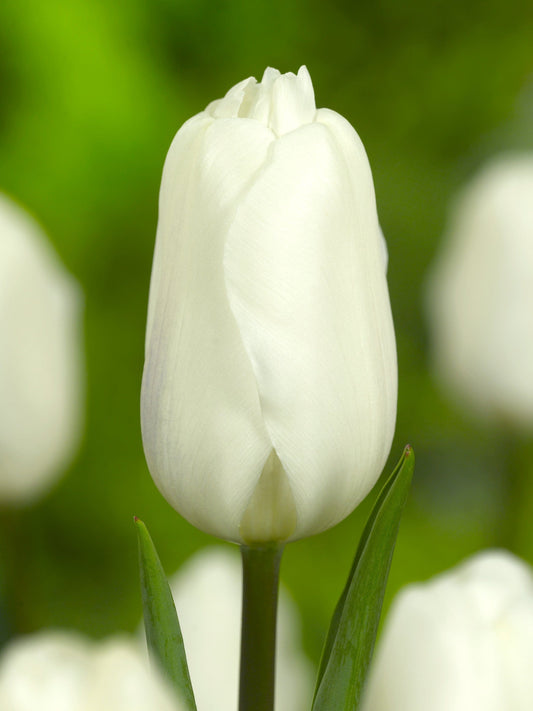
(163,633)
(350,641)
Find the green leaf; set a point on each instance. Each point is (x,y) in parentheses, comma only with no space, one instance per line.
(352,633)
(334,625)
(163,633)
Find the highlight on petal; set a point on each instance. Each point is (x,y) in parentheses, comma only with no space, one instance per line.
(293,102)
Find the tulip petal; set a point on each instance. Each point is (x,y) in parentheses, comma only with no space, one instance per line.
(203,432)
(293,102)
(230,105)
(306,282)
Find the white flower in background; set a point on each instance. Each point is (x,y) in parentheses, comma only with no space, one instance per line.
(65,671)
(480,297)
(60,671)
(207,593)
(461,642)
(270,382)
(40,359)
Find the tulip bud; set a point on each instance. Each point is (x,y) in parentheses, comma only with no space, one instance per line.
(463,641)
(40,359)
(60,671)
(207,592)
(269,387)
(480,297)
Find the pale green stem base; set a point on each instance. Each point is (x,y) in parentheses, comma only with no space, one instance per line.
(258,632)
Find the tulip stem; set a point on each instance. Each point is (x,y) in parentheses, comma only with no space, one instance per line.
(258,633)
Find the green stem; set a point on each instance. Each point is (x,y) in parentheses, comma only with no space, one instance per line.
(258,633)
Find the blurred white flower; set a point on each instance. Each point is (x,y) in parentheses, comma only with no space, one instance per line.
(60,671)
(41,383)
(270,381)
(480,295)
(207,592)
(65,671)
(461,642)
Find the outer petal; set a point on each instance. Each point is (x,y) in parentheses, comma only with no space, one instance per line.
(203,432)
(306,281)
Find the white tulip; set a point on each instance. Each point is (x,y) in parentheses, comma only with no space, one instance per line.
(66,671)
(270,382)
(40,359)
(462,642)
(60,671)
(207,592)
(480,298)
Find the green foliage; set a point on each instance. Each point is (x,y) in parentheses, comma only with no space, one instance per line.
(352,633)
(163,633)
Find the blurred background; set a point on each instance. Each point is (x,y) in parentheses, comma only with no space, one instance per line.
(91,95)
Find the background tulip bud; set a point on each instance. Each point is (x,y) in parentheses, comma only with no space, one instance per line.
(60,671)
(463,641)
(40,359)
(480,297)
(270,381)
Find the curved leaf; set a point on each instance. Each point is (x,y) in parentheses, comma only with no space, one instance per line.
(163,633)
(352,633)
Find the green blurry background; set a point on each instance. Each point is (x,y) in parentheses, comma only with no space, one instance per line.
(91,95)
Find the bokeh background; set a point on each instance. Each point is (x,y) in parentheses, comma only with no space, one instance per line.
(91,95)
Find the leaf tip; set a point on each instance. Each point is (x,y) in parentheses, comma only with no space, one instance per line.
(142,531)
